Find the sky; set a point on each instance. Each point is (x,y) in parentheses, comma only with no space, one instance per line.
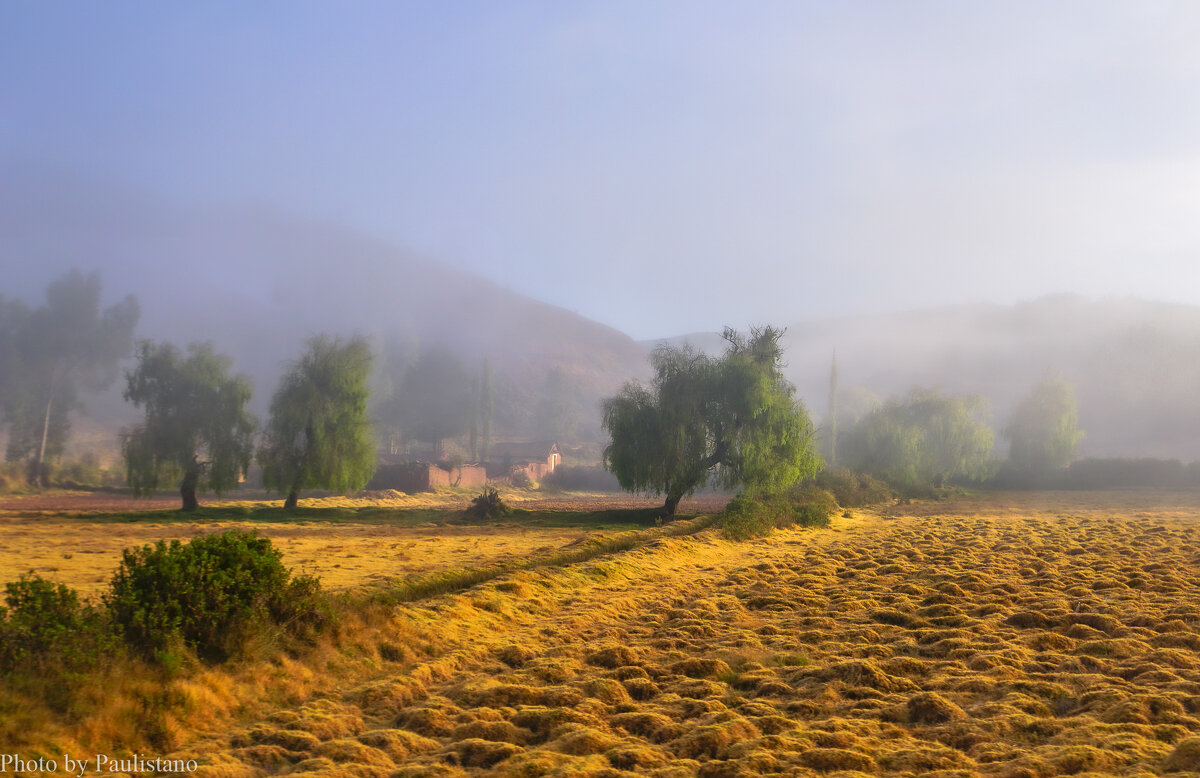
(661,167)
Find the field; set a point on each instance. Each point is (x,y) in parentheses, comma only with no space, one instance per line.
(1007,635)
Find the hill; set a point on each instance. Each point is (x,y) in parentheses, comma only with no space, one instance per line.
(258,283)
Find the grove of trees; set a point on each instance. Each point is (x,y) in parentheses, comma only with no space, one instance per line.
(925,438)
(318,434)
(196,430)
(732,420)
(47,354)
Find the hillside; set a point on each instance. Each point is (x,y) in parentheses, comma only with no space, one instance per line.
(258,283)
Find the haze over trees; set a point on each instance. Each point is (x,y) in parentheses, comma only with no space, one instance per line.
(1044,432)
(318,434)
(731,420)
(196,428)
(48,354)
(925,438)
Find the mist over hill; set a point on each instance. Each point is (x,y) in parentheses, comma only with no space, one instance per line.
(258,283)
(1134,364)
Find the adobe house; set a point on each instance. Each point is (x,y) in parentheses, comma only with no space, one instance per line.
(536,459)
(426,476)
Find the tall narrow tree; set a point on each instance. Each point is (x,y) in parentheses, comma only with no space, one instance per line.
(318,435)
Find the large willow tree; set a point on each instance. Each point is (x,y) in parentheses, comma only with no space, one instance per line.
(731,420)
(318,435)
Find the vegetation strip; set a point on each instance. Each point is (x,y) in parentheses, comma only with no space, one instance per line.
(420,587)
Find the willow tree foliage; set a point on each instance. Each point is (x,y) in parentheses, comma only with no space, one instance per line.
(49,353)
(1044,432)
(318,434)
(923,439)
(731,420)
(196,430)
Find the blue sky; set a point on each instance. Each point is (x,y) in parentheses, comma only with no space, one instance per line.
(661,167)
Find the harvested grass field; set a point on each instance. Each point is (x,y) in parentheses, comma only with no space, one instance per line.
(77,538)
(1013,636)
(1008,635)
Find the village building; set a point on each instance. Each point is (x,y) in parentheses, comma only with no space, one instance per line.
(508,461)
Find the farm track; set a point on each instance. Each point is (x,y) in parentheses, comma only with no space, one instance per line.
(1025,637)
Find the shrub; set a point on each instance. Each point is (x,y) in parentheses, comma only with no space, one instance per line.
(48,639)
(44,625)
(853,490)
(753,515)
(488,505)
(208,594)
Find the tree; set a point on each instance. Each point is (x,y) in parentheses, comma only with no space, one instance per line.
(732,420)
(1044,432)
(196,428)
(923,439)
(318,434)
(49,353)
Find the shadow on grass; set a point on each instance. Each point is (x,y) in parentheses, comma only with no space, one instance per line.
(613,519)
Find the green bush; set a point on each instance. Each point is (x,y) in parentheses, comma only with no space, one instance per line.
(45,625)
(209,594)
(754,515)
(488,505)
(48,639)
(853,490)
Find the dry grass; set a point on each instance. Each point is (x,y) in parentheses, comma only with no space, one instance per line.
(1032,635)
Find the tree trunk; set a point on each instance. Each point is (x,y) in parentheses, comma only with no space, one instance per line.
(290,503)
(187,490)
(38,478)
(671,504)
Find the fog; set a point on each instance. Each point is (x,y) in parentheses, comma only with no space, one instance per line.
(961,197)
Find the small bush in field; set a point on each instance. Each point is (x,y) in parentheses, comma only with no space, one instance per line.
(488,505)
(811,505)
(853,490)
(208,594)
(754,515)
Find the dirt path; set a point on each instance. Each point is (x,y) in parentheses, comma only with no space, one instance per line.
(1020,636)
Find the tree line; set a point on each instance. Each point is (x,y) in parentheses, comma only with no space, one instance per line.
(732,421)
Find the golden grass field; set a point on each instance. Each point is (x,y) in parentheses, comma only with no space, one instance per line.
(1005,635)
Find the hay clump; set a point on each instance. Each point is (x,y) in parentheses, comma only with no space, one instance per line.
(498,731)
(713,740)
(869,675)
(1185,757)
(614,656)
(608,691)
(399,744)
(475,752)
(830,759)
(651,726)
(932,708)
(641,689)
(701,667)
(582,741)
